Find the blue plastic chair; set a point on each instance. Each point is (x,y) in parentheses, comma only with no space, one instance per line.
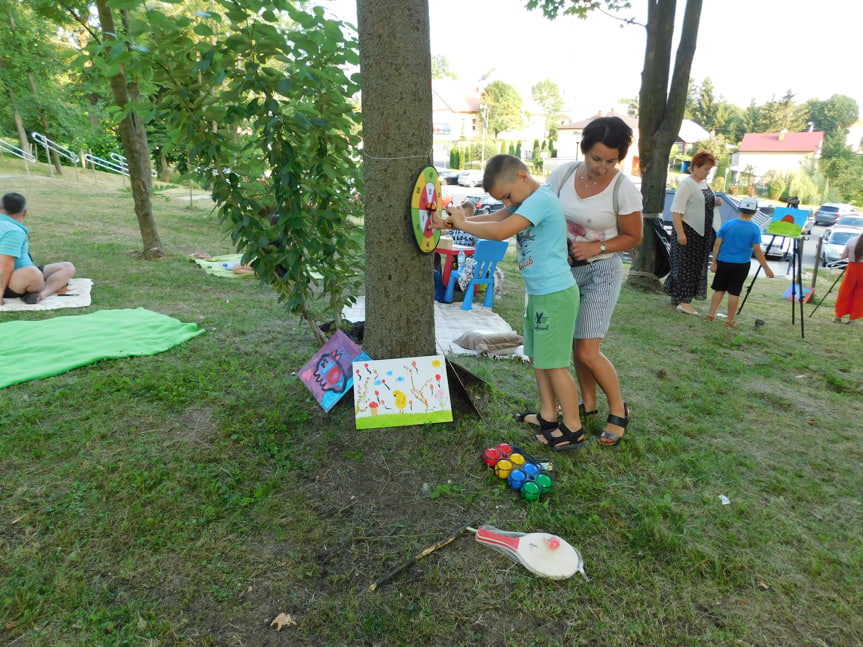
(487,254)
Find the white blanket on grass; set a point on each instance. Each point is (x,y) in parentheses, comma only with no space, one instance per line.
(450,323)
(78,296)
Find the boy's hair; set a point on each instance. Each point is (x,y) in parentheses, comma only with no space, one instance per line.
(611,131)
(501,167)
(14,203)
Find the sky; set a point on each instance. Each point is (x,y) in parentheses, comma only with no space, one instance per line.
(750,49)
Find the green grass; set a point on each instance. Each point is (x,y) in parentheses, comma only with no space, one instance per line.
(190,497)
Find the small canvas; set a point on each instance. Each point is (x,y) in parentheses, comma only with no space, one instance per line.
(328,374)
(397,392)
(787,222)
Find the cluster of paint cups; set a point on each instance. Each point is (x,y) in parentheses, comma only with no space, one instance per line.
(521,472)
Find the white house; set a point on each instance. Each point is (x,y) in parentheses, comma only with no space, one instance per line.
(782,151)
(569,144)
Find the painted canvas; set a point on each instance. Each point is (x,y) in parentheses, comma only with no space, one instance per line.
(787,222)
(397,392)
(328,374)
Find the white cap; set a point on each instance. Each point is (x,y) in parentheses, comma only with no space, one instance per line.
(748,204)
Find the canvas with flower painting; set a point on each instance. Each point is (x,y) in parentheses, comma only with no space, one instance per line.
(397,392)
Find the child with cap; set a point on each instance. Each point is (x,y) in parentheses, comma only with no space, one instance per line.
(736,241)
(534,216)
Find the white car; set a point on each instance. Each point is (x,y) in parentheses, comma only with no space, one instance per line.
(470,178)
(834,243)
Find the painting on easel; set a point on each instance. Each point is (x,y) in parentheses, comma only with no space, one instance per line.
(328,374)
(398,392)
(787,222)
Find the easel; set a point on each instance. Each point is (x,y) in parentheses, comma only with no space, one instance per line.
(796,281)
(833,266)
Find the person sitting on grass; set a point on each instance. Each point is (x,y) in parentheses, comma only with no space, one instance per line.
(736,241)
(19,276)
(535,217)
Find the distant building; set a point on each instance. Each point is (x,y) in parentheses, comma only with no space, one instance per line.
(854,141)
(455,107)
(690,134)
(782,151)
(569,144)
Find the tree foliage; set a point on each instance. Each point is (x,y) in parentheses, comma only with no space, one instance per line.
(504,107)
(259,97)
(546,93)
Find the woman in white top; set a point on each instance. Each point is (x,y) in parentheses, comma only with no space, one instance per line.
(603,214)
(696,220)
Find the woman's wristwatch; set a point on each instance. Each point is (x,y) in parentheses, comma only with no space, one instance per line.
(602,248)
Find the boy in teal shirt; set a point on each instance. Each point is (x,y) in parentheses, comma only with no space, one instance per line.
(534,216)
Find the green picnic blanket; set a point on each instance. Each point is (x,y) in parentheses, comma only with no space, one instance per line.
(30,350)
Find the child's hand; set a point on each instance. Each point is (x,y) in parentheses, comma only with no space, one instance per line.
(713,266)
(768,272)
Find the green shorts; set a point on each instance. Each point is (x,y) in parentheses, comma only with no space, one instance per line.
(549,321)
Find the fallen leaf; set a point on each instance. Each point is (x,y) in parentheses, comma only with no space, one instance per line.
(763,585)
(283,620)
(811,421)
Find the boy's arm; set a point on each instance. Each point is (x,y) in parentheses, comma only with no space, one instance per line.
(756,248)
(7,266)
(714,261)
(501,226)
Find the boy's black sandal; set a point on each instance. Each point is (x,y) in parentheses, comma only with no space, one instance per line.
(610,435)
(585,414)
(567,440)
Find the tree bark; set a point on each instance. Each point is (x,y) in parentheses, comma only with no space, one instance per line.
(660,114)
(395,63)
(134,139)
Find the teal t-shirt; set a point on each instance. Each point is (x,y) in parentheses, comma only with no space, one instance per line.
(542,253)
(13,241)
(738,236)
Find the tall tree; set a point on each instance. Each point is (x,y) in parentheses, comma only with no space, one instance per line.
(832,116)
(706,107)
(504,106)
(661,100)
(441,69)
(114,55)
(547,94)
(778,115)
(395,63)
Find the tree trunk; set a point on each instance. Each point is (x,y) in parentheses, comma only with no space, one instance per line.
(395,63)
(659,118)
(134,139)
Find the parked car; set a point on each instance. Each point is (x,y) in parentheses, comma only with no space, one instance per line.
(446,199)
(485,203)
(830,212)
(834,243)
(470,178)
(850,221)
(447,175)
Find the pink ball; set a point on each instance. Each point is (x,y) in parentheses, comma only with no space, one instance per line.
(554,543)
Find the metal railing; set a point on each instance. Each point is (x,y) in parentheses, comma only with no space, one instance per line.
(27,156)
(50,145)
(122,169)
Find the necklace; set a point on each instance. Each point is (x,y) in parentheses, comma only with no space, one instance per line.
(586,179)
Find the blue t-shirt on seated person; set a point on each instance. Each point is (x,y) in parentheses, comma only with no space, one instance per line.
(542,253)
(738,236)
(13,241)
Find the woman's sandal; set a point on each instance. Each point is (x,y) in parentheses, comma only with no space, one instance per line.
(609,438)
(540,421)
(586,416)
(567,440)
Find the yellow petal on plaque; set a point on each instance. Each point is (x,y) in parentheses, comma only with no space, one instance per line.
(282,620)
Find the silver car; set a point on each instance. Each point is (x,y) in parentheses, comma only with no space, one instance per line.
(470,178)
(833,245)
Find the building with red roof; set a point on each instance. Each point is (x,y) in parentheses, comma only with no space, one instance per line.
(784,152)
